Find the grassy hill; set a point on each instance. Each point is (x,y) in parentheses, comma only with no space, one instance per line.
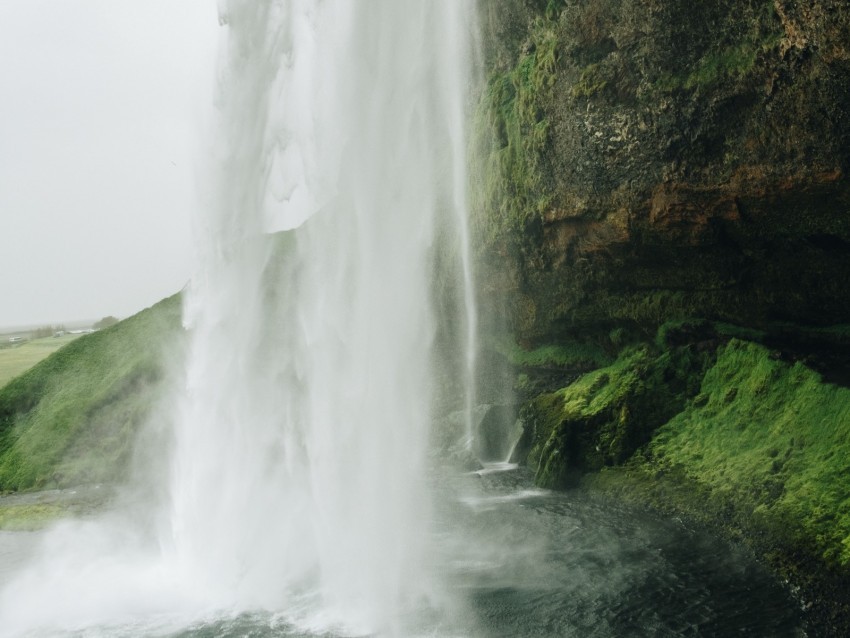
(70,419)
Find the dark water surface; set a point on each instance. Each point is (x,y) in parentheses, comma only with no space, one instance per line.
(532,563)
(587,568)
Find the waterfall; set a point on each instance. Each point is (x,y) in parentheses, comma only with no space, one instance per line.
(297,483)
(300,457)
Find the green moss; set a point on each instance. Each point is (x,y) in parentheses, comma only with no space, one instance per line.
(607,414)
(511,136)
(578,355)
(592,81)
(740,332)
(772,438)
(645,308)
(839,333)
(718,429)
(732,60)
(543,415)
(684,331)
(69,420)
(597,390)
(554,8)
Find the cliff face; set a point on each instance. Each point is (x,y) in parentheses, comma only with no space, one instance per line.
(663,217)
(648,160)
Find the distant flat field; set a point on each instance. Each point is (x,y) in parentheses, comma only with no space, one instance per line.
(18,359)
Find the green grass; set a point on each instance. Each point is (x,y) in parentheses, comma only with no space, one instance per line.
(15,360)
(71,418)
(35,510)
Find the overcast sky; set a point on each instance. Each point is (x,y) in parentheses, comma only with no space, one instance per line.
(101,104)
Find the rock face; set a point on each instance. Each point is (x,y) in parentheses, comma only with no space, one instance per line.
(663,224)
(654,159)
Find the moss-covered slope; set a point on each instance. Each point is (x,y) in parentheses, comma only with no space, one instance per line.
(764,434)
(723,430)
(71,419)
(606,415)
(774,439)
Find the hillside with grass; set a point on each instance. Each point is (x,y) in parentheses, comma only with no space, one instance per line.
(71,419)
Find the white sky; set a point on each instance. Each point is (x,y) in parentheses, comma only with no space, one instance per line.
(101,111)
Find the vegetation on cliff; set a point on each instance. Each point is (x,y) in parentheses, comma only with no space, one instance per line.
(606,415)
(648,161)
(724,430)
(513,137)
(764,435)
(771,437)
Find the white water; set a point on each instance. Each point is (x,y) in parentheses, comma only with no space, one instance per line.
(309,378)
(297,483)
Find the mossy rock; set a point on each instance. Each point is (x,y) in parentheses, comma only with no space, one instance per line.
(722,430)
(604,416)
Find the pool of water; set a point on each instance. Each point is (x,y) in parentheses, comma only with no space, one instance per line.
(522,562)
(575,565)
